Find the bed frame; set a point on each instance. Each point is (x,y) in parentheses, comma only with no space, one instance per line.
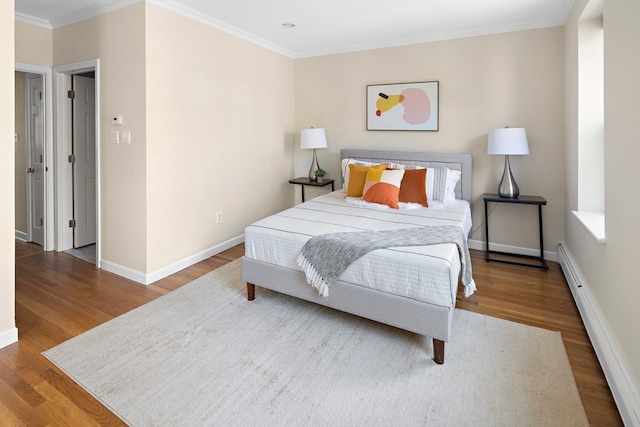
(404,313)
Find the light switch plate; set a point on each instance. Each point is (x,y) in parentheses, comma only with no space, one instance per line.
(126,137)
(115,137)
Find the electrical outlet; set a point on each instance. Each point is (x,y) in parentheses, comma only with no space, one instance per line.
(115,137)
(218,217)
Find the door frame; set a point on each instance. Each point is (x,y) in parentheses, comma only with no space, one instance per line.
(48,157)
(64,178)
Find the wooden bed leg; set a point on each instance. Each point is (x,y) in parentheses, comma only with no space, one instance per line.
(251,291)
(438,351)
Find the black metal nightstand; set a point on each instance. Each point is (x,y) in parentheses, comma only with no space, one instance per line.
(306,181)
(522,200)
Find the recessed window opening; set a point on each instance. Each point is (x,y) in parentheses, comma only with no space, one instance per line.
(591,173)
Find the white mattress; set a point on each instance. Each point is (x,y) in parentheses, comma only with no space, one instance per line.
(424,273)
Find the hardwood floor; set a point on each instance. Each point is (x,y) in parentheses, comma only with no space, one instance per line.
(59,296)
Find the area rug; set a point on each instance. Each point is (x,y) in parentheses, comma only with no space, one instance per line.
(205,356)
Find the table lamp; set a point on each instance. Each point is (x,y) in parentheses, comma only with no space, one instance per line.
(508,142)
(312,139)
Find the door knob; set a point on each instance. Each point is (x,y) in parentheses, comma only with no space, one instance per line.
(31,170)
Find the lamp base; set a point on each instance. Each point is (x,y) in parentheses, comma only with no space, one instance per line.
(314,167)
(508,188)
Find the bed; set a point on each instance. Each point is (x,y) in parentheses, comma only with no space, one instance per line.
(413,288)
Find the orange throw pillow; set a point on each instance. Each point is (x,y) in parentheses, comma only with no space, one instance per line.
(383,187)
(413,187)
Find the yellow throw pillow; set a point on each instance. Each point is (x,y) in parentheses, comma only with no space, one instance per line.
(383,187)
(357,177)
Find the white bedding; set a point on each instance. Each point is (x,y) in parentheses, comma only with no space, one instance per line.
(425,273)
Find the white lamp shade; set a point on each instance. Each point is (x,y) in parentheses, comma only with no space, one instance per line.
(508,141)
(313,138)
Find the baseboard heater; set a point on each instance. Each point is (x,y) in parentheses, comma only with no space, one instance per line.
(567,267)
(616,371)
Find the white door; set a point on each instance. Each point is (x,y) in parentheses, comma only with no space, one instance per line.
(35,158)
(84,168)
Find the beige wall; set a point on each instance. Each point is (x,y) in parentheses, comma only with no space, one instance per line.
(20,154)
(610,269)
(192,154)
(117,40)
(220,116)
(513,79)
(7,219)
(34,44)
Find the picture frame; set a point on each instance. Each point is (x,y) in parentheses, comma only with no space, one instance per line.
(403,106)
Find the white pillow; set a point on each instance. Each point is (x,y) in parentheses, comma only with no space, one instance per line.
(441,184)
(453,176)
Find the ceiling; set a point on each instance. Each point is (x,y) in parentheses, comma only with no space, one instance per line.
(325,27)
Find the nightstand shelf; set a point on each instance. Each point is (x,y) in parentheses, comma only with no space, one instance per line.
(541,263)
(304,181)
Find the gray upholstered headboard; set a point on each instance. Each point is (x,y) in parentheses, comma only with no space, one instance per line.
(461,162)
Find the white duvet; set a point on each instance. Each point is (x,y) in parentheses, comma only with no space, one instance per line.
(425,273)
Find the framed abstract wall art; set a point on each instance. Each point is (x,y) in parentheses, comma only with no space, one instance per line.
(403,106)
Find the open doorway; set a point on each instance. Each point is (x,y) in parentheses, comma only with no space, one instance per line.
(83,166)
(78,159)
(58,171)
(33,141)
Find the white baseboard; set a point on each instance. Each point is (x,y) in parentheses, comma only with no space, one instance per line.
(479,245)
(129,273)
(147,279)
(626,392)
(21,235)
(8,337)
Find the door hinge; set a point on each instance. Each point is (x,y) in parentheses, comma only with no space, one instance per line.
(41,222)
(72,158)
(72,223)
(71,94)
(40,96)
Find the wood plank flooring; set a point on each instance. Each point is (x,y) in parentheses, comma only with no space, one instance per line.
(59,296)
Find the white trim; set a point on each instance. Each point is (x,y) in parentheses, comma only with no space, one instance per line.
(23,17)
(64,235)
(147,279)
(21,235)
(98,8)
(616,368)
(8,337)
(593,222)
(480,245)
(63,185)
(49,161)
(126,272)
(181,9)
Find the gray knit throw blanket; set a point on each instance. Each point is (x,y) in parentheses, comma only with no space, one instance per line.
(324,258)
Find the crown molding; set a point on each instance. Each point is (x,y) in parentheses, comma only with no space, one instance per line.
(33,20)
(87,13)
(93,12)
(180,9)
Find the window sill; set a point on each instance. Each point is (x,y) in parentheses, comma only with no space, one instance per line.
(594,222)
